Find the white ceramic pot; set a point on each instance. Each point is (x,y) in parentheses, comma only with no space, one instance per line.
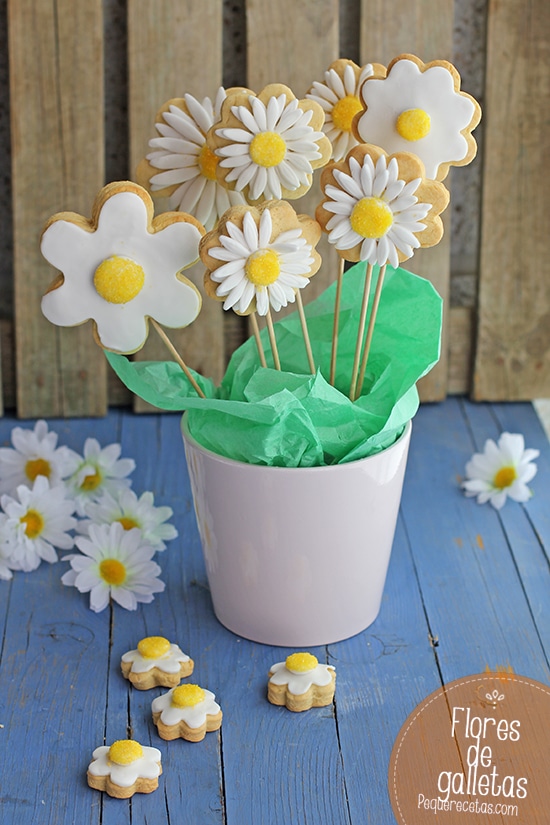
(296,556)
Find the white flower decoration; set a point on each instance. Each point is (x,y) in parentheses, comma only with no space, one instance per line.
(5,549)
(146,765)
(501,470)
(116,564)
(169,662)
(339,97)
(269,144)
(121,268)
(100,470)
(253,266)
(419,108)
(34,453)
(189,165)
(38,521)
(194,715)
(125,507)
(299,682)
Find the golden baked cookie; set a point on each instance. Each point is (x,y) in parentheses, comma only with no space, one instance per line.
(300,683)
(186,712)
(155,662)
(124,768)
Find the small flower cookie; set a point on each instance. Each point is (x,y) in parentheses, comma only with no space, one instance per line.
(301,683)
(155,662)
(125,768)
(121,267)
(186,712)
(418,107)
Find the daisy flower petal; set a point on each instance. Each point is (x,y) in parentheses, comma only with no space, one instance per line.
(502,470)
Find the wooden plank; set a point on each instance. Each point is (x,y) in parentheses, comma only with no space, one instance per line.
(175,47)
(513,339)
(461,331)
(56,89)
(390,28)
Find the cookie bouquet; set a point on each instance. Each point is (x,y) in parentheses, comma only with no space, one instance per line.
(335,380)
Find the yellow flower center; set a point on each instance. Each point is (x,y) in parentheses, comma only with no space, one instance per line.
(263,267)
(118,279)
(153,647)
(127,523)
(413,124)
(344,111)
(371,218)
(186,696)
(112,571)
(125,751)
(267,149)
(91,481)
(37,467)
(504,477)
(301,662)
(208,162)
(34,523)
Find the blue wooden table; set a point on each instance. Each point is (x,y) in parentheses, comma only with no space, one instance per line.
(468,589)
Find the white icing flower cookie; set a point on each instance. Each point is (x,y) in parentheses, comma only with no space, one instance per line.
(125,768)
(186,712)
(121,267)
(155,662)
(300,683)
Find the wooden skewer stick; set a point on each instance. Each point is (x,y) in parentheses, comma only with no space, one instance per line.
(272,340)
(360,333)
(370,330)
(177,357)
(256,331)
(336,324)
(305,332)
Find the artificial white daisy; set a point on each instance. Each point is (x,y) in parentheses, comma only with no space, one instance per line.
(501,470)
(181,166)
(5,549)
(418,107)
(115,564)
(99,470)
(269,144)
(38,520)
(258,258)
(130,511)
(380,209)
(339,97)
(35,452)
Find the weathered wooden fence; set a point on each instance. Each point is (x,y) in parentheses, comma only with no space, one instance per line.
(60,58)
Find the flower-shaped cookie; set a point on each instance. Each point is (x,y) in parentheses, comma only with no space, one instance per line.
(301,683)
(269,144)
(378,208)
(260,256)
(155,662)
(419,108)
(121,267)
(186,712)
(181,165)
(124,768)
(339,97)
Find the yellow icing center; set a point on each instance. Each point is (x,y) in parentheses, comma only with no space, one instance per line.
(413,124)
(262,267)
(91,482)
(267,149)
(208,162)
(34,523)
(504,477)
(37,467)
(118,279)
(127,523)
(112,571)
(186,696)
(301,662)
(125,751)
(153,647)
(371,218)
(344,111)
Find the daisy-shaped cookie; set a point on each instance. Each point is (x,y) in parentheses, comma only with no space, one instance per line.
(258,257)
(121,267)
(269,144)
(418,107)
(186,712)
(380,208)
(338,94)
(124,768)
(501,470)
(181,166)
(301,683)
(155,662)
